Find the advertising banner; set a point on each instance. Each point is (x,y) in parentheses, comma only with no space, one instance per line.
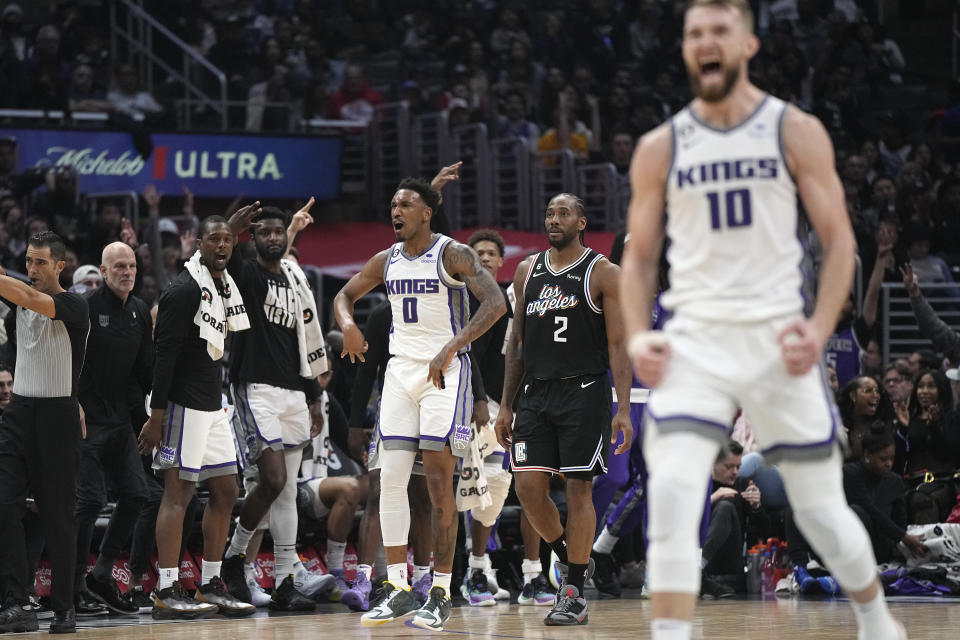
(209,165)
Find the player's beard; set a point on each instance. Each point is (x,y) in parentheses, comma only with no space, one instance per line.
(730,77)
(270,253)
(564,241)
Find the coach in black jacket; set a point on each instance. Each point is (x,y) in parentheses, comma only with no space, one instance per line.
(119,351)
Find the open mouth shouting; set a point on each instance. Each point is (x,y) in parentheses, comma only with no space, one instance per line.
(710,67)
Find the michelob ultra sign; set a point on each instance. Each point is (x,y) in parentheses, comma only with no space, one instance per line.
(210,165)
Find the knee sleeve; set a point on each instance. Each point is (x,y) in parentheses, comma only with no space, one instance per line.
(283,511)
(499,484)
(679,466)
(395,468)
(815,489)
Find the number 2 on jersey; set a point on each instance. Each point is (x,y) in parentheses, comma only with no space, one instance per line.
(409,310)
(736,204)
(558,334)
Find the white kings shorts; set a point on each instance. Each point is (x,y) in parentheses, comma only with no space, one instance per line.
(308,498)
(716,368)
(414,414)
(199,443)
(269,417)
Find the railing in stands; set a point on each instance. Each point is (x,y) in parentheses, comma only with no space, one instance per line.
(468,200)
(355,160)
(33,116)
(552,172)
(128,200)
(599,187)
(390,149)
(901,334)
(136,30)
(431,143)
(510,176)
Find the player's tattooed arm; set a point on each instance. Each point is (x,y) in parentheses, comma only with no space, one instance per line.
(462,263)
(358,286)
(605,285)
(513,360)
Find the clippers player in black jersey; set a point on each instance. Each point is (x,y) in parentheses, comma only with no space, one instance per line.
(567,332)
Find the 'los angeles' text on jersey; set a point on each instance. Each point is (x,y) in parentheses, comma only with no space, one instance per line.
(564,332)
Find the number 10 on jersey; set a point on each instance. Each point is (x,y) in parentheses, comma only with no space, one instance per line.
(735,206)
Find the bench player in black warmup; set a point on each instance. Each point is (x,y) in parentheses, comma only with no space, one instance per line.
(188,430)
(278,407)
(567,332)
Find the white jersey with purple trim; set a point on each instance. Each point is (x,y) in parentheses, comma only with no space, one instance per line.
(429,306)
(732,220)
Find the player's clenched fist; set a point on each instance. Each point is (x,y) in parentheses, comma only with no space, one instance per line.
(649,353)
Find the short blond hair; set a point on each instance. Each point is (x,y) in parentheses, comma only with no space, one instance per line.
(743,6)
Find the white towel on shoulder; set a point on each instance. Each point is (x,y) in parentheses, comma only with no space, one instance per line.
(217,315)
(313,355)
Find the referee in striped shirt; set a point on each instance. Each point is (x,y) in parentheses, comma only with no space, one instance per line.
(40,431)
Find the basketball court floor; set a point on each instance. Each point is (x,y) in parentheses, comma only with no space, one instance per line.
(925,618)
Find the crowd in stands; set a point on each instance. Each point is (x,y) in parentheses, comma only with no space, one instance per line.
(589,76)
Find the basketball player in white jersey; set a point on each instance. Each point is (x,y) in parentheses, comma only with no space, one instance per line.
(426,402)
(729,167)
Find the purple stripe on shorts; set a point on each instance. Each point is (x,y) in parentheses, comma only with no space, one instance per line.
(407,438)
(183,418)
(685,418)
(218,466)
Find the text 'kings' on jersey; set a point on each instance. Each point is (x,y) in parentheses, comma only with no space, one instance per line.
(732,220)
(429,307)
(564,332)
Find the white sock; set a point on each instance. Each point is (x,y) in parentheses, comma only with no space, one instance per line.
(531,569)
(874,619)
(210,571)
(167,578)
(669,629)
(239,541)
(419,571)
(605,542)
(479,562)
(335,554)
(366,570)
(397,575)
(442,580)
(285,557)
